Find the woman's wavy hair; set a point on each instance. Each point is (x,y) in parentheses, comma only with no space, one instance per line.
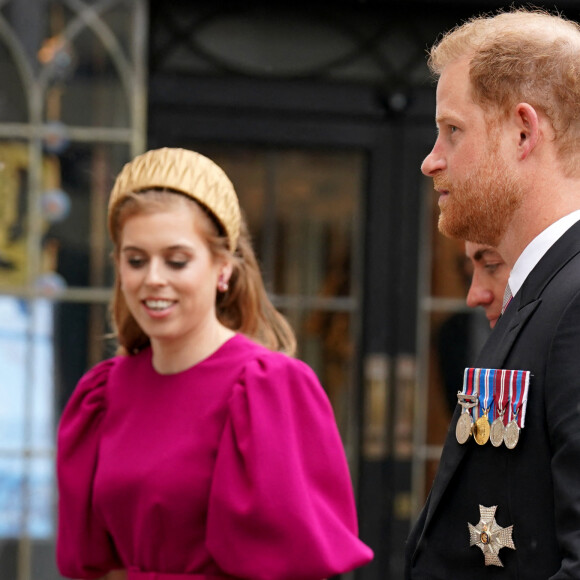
(245,307)
(522,56)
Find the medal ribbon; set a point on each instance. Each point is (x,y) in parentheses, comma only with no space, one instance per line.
(519,386)
(501,393)
(486,383)
(470,382)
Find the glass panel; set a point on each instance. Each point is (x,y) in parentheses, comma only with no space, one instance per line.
(11,470)
(15,214)
(119,18)
(13,100)
(14,160)
(85,83)
(267,41)
(26,417)
(317,209)
(69,219)
(81,339)
(79,237)
(326,343)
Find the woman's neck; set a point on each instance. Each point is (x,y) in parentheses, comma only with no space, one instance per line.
(171,357)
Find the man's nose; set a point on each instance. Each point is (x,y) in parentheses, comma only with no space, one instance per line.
(434,162)
(478,294)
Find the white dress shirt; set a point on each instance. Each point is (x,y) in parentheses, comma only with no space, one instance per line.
(536,249)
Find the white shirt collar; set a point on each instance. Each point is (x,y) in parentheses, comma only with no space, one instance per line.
(536,249)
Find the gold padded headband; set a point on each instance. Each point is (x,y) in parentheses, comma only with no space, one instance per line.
(189,173)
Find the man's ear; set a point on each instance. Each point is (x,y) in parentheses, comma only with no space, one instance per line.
(528,123)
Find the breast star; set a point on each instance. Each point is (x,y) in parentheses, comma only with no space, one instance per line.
(489,536)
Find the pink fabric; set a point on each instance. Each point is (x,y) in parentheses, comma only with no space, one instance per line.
(232,468)
(138,575)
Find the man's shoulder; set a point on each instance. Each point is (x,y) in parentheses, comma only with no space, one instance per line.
(557,274)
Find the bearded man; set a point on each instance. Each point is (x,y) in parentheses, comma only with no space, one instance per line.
(506,164)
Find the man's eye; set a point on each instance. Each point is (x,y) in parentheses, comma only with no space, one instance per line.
(491,268)
(452,128)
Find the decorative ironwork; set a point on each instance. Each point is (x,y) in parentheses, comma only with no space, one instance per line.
(353,43)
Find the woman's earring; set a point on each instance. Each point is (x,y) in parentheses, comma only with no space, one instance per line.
(222,284)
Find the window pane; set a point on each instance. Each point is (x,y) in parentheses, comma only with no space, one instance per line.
(79,238)
(26,417)
(82,338)
(84,65)
(11,475)
(317,209)
(12,97)
(326,342)
(15,210)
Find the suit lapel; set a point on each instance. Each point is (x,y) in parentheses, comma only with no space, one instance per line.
(498,346)
(452,455)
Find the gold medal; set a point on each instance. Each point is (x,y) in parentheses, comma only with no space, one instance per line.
(512,434)
(481,430)
(464,427)
(496,431)
(485,399)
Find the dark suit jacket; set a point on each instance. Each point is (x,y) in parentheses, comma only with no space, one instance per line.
(536,486)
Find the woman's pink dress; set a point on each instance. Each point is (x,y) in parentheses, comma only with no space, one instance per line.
(232,468)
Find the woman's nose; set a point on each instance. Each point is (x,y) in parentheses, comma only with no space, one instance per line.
(155,275)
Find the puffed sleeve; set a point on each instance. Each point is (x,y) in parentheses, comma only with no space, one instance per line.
(84,549)
(281,504)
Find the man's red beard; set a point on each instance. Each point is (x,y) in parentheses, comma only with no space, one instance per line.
(479,208)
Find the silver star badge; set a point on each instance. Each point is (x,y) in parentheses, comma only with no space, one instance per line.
(489,536)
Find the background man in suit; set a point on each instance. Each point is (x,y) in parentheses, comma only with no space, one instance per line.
(488,281)
(506,164)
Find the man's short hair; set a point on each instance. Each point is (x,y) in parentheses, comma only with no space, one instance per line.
(518,56)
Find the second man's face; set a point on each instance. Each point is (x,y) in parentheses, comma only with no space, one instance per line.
(490,276)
